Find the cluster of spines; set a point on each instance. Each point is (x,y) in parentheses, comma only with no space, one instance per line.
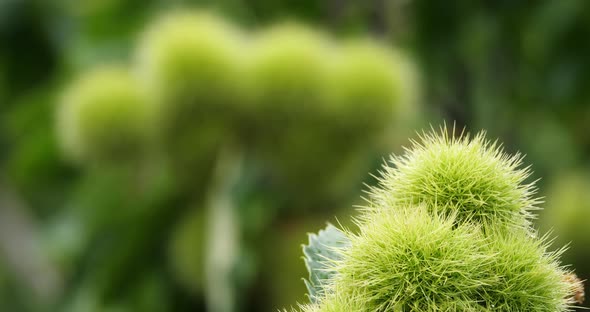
(470,176)
(432,239)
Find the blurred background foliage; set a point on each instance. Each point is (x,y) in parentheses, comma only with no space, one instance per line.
(178,226)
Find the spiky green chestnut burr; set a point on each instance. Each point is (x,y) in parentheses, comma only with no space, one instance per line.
(104,115)
(411,260)
(287,70)
(344,304)
(431,239)
(190,62)
(332,304)
(469,176)
(526,277)
(368,83)
(191,58)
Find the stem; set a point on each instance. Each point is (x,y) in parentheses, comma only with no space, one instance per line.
(21,249)
(222,239)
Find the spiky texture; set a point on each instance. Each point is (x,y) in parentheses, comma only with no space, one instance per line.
(334,303)
(439,235)
(410,260)
(528,277)
(469,176)
(104,115)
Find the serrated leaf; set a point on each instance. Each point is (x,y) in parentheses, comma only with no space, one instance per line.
(319,253)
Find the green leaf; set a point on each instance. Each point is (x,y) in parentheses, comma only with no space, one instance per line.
(321,251)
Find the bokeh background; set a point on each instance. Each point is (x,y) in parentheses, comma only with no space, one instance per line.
(178,229)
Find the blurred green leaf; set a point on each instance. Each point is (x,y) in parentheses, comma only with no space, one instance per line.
(320,254)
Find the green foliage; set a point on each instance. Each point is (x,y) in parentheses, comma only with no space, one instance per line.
(568,212)
(569,202)
(104,116)
(186,249)
(439,235)
(471,177)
